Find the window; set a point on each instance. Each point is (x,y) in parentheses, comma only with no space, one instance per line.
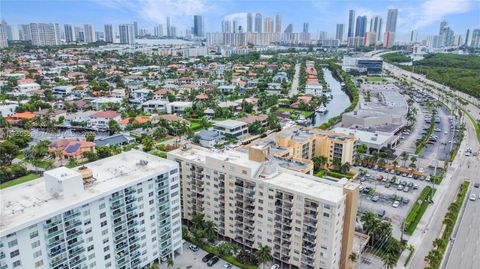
(102,206)
(37,254)
(90,248)
(103,215)
(35,244)
(104,223)
(105,249)
(12,243)
(17,264)
(33,234)
(14,253)
(104,232)
(107,256)
(39,263)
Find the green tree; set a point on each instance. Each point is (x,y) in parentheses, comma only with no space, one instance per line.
(113,126)
(210,230)
(170,263)
(345,167)
(263,254)
(8,151)
(319,162)
(90,136)
(147,143)
(389,260)
(103,152)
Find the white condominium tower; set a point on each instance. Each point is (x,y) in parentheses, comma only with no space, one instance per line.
(307,221)
(118,212)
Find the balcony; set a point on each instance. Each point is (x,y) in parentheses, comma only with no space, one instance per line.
(53,234)
(51,224)
(71,216)
(76,261)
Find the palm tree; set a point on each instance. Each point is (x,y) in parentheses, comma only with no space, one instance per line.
(389,261)
(395,163)
(319,162)
(353,257)
(413,159)
(210,230)
(344,168)
(263,254)
(197,221)
(404,156)
(170,263)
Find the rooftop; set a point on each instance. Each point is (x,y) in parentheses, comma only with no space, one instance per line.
(29,203)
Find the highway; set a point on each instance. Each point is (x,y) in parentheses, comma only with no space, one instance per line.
(466,246)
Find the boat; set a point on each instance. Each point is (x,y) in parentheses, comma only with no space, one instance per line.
(321,109)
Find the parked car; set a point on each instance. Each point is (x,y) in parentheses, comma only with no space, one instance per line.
(400,187)
(193,248)
(388,185)
(207,257)
(381,213)
(473,197)
(227,266)
(375,198)
(406,189)
(213,261)
(406,201)
(476,185)
(275,266)
(395,204)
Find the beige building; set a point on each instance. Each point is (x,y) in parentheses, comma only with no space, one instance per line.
(300,145)
(307,221)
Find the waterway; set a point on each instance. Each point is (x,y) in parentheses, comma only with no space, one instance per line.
(339,102)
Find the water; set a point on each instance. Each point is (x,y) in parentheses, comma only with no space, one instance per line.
(339,102)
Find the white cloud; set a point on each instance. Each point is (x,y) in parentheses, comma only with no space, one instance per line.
(432,11)
(157,11)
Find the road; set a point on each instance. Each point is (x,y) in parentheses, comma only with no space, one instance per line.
(462,168)
(408,144)
(296,79)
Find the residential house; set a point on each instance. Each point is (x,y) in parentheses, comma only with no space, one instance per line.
(210,138)
(178,107)
(153,105)
(70,148)
(231,127)
(101,119)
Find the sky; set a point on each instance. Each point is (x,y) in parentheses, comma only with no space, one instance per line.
(322,15)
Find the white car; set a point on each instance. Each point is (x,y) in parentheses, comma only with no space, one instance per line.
(275,266)
(473,197)
(395,204)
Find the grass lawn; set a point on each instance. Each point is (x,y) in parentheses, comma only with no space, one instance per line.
(375,79)
(292,110)
(20,156)
(19,180)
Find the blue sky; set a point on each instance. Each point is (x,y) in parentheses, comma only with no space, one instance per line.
(323,15)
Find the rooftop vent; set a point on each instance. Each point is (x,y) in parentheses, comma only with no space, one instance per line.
(142,163)
(87,175)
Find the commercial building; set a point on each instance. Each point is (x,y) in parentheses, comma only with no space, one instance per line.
(339,31)
(198,26)
(307,221)
(370,66)
(351,23)
(45,34)
(374,140)
(475,43)
(118,212)
(390,28)
(361,26)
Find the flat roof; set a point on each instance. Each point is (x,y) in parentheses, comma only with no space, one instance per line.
(230,123)
(376,138)
(28,203)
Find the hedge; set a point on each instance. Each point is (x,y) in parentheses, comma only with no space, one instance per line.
(417,210)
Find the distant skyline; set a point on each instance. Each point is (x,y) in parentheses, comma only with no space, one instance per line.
(322,15)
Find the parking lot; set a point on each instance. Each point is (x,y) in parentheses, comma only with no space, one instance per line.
(380,190)
(193,260)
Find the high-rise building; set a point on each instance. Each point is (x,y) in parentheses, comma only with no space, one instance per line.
(89,33)
(258,22)
(413,36)
(158,30)
(446,35)
(108,33)
(79,35)
(3,36)
(249,22)
(135,28)
(361,26)
(289,29)
(475,43)
(26,32)
(376,26)
(118,212)
(307,221)
(235,26)
(392,20)
(278,23)
(351,23)
(268,25)
(69,37)
(45,34)
(340,31)
(169,29)
(198,26)
(388,39)
(227,26)
(305,27)
(173,31)
(467,39)
(127,36)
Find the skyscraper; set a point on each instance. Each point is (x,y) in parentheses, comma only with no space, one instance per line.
(122,211)
(289,29)
(198,26)
(169,29)
(361,26)
(158,30)
(226,26)
(475,43)
(446,35)
(69,37)
(249,22)
(45,34)
(26,32)
(351,23)
(79,37)
(305,27)
(413,36)
(258,22)
(89,33)
(467,39)
(392,20)
(108,33)
(3,36)
(340,31)
(127,36)
(135,28)
(268,25)
(376,26)
(235,26)
(278,23)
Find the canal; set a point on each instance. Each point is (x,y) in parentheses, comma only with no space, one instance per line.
(339,102)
